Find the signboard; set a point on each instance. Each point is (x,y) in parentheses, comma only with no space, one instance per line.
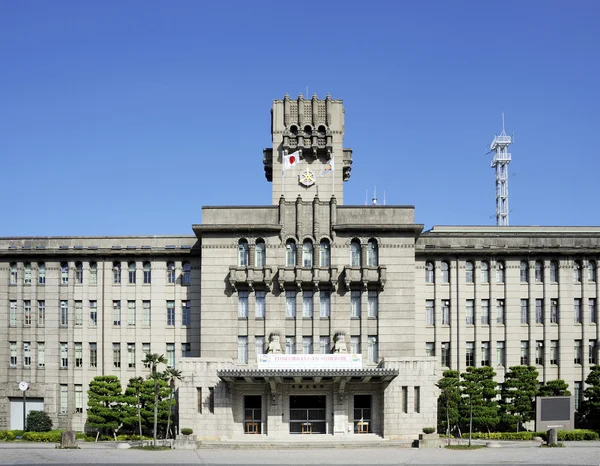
(310,361)
(554,412)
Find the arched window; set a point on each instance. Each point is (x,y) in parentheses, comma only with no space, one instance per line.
(116,272)
(355,253)
(79,273)
(485,272)
(445,269)
(500,272)
(539,271)
(93,273)
(243,253)
(187,273)
(13,273)
(27,273)
(554,272)
(260,256)
(131,272)
(41,273)
(591,271)
(170,272)
(147,273)
(469,272)
(372,253)
(64,273)
(577,271)
(290,253)
(307,254)
(429,272)
(324,253)
(524,272)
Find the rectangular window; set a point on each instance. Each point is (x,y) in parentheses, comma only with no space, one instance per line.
(13,353)
(554,352)
(539,311)
(592,310)
(187,274)
(64,314)
(78,399)
(307,345)
(64,399)
(145,351)
(430,312)
(485,312)
(485,353)
(186,350)
(131,317)
(116,312)
(131,272)
(78,313)
(525,311)
(13,314)
(243,304)
(470,353)
(211,400)
(578,352)
(429,349)
(64,355)
(445,312)
(93,274)
(577,310)
(41,274)
(500,311)
(78,354)
(578,390)
(307,304)
(186,313)
(147,273)
(243,350)
(27,312)
(117,355)
(199,399)
(355,303)
(290,304)
(469,312)
(259,346)
(27,354)
(259,304)
(500,354)
(524,353)
(171,312)
(146,313)
(355,345)
(539,353)
(324,345)
(593,352)
(445,354)
(170,354)
(554,311)
(417,399)
(373,301)
(372,350)
(131,355)
(324,303)
(27,275)
(290,345)
(41,313)
(41,354)
(405,399)
(93,313)
(79,274)
(93,355)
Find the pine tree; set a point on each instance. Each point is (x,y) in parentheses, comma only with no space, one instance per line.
(105,404)
(589,409)
(518,393)
(556,387)
(479,392)
(448,401)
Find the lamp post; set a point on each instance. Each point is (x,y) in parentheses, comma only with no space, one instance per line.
(24,386)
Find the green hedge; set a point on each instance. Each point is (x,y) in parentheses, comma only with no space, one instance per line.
(53,436)
(7,436)
(577,434)
(563,435)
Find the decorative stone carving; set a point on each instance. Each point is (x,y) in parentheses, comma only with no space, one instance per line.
(340,343)
(274,344)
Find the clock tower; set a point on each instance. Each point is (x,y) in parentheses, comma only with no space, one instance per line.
(307,158)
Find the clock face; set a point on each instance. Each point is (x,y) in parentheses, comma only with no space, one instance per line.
(23,386)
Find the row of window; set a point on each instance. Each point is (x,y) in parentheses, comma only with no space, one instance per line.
(307,347)
(92,277)
(484,269)
(484,311)
(29,316)
(307,258)
(92,360)
(308,304)
(553,355)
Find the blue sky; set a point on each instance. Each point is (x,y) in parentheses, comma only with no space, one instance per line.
(128,117)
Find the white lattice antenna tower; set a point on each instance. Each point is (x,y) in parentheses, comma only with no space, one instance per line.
(500,162)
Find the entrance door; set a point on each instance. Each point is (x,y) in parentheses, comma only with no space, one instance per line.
(362,414)
(307,414)
(253,414)
(16,410)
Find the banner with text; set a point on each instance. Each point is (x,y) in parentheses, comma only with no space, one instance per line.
(310,361)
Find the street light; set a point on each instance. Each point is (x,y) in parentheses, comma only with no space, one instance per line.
(24,386)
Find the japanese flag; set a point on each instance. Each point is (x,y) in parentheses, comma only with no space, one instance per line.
(289,160)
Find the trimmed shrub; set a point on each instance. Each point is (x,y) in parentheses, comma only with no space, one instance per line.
(188,431)
(38,421)
(7,436)
(577,435)
(426,430)
(53,436)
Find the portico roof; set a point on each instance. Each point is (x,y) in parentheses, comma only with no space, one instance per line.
(307,375)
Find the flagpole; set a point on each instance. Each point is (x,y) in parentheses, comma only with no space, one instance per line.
(332,175)
(283,170)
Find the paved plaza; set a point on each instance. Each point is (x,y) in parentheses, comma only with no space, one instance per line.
(579,453)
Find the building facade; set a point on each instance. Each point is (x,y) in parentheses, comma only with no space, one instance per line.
(305,316)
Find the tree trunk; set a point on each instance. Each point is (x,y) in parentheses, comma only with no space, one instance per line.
(155,409)
(169,417)
(139,417)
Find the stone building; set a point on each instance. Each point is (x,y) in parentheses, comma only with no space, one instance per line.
(305,316)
